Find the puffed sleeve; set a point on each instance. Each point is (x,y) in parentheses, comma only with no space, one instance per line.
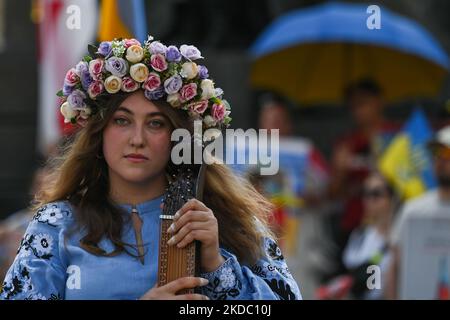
(268,279)
(38,272)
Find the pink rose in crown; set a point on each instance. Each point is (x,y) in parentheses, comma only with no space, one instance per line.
(131,42)
(95,89)
(95,68)
(199,107)
(129,85)
(153,82)
(71,78)
(218,111)
(158,62)
(188,91)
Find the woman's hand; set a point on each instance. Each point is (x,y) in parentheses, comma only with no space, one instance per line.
(168,291)
(195,221)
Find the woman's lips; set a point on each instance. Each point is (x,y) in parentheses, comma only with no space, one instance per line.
(136,158)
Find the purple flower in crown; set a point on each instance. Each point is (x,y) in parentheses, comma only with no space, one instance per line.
(173,84)
(190,52)
(67,90)
(218,92)
(86,79)
(173,54)
(155,94)
(203,72)
(105,48)
(81,67)
(157,47)
(117,66)
(76,99)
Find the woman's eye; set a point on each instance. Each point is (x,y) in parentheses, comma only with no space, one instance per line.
(156,123)
(121,121)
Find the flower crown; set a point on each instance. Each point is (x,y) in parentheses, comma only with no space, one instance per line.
(125,65)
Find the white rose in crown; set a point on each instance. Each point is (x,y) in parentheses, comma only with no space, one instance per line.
(85,113)
(68,112)
(174,100)
(209,121)
(189,70)
(135,54)
(139,72)
(113,84)
(208,90)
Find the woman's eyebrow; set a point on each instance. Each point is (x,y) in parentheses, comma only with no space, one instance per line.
(150,114)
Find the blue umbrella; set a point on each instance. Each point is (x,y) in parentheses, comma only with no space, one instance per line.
(312,54)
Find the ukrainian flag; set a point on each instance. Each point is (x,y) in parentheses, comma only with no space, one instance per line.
(406,161)
(122,19)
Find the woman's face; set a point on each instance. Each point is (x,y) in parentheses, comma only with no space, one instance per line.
(136,141)
(377,199)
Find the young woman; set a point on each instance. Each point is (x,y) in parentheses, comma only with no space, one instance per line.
(82,241)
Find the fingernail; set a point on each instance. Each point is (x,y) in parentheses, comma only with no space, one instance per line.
(171,241)
(207,298)
(171,228)
(177,215)
(204,281)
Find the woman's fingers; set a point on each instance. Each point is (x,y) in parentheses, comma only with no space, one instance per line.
(192,204)
(184,283)
(201,235)
(188,227)
(189,216)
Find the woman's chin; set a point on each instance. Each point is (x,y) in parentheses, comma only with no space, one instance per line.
(138,176)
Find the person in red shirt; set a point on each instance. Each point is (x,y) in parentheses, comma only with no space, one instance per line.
(355,154)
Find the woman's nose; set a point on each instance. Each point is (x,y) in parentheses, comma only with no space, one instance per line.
(137,138)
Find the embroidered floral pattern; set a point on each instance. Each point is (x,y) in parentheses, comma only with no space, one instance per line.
(227,278)
(281,288)
(15,284)
(50,214)
(19,282)
(223,283)
(273,250)
(39,245)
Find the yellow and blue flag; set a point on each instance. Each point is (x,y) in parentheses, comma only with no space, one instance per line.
(122,19)
(406,161)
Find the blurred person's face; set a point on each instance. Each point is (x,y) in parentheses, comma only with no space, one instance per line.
(136,141)
(376,198)
(274,116)
(366,108)
(442,166)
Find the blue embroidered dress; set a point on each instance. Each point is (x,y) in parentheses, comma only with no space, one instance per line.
(51,265)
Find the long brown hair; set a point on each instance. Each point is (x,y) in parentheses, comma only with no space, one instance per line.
(80,175)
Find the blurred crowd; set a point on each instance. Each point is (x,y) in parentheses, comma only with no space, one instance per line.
(336,217)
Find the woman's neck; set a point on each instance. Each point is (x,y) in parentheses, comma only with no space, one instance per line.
(383,224)
(134,193)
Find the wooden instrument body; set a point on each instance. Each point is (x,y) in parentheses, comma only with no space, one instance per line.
(177,262)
